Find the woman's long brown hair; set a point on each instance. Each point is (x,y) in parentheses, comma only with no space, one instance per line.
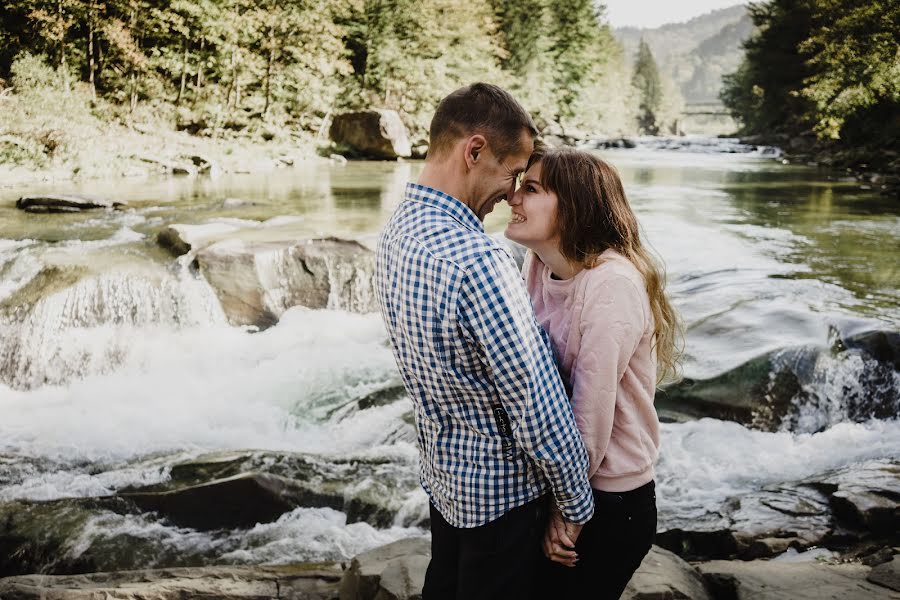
(593,215)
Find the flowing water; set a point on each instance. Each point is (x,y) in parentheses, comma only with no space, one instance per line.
(117,361)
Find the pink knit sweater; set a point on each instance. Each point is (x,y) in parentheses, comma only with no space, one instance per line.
(601,327)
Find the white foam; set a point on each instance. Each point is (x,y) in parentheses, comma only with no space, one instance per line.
(214,387)
(702,463)
(303,535)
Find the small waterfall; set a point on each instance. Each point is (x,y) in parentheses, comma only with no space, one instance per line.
(67,323)
(842,385)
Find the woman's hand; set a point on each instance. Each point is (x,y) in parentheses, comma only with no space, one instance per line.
(559,539)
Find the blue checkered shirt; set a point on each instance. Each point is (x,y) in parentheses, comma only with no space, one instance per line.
(494,424)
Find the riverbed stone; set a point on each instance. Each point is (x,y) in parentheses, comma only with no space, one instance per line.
(887,574)
(36,536)
(376,133)
(288,582)
(181,239)
(257,281)
(64,203)
(240,489)
(241,501)
(791,581)
(395,571)
(663,574)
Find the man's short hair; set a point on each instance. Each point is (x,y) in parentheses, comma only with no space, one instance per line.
(480,108)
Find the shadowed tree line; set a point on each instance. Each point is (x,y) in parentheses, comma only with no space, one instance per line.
(829,68)
(209,65)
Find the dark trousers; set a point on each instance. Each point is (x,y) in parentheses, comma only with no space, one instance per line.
(610,548)
(491,562)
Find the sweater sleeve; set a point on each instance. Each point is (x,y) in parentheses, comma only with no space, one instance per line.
(612,324)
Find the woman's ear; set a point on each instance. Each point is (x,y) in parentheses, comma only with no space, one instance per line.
(474,149)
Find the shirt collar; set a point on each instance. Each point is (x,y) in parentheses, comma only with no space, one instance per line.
(444,202)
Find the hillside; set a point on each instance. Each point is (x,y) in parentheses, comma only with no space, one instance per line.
(696,53)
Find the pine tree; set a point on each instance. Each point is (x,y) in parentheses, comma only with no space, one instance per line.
(649,88)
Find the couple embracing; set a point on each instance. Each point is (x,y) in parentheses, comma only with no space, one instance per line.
(533,403)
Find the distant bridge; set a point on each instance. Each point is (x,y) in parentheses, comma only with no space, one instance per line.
(705,108)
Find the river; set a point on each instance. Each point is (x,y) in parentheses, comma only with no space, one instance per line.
(116,360)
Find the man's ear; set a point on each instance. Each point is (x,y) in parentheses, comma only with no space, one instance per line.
(474,149)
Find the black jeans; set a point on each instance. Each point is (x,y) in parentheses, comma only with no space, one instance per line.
(491,562)
(610,548)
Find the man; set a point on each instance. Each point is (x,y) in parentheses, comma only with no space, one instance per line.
(493,420)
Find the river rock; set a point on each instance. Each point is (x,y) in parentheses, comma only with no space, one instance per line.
(171,167)
(181,239)
(256,281)
(392,572)
(867,496)
(241,501)
(37,536)
(847,508)
(63,203)
(887,574)
(791,581)
(376,133)
(289,582)
(238,490)
(663,574)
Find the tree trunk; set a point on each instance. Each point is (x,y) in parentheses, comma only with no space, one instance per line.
(270,60)
(60,17)
(233,83)
(92,66)
(199,85)
(184,63)
(133,76)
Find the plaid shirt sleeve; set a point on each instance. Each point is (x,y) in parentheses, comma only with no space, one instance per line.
(495,313)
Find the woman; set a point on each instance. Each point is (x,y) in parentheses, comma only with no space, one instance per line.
(599,294)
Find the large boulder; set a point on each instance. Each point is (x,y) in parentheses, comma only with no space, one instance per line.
(257,281)
(376,133)
(289,582)
(663,574)
(64,203)
(241,501)
(392,572)
(239,490)
(791,581)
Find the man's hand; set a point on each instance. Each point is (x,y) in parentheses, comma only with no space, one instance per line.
(560,538)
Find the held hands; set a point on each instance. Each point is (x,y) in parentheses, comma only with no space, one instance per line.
(559,539)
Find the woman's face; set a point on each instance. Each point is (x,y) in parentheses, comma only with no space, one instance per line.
(533,219)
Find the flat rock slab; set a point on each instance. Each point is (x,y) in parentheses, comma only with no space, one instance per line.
(289,582)
(887,574)
(791,581)
(64,203)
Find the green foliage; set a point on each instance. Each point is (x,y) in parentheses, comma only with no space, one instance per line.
(259,66)
(855,62)
(828,66)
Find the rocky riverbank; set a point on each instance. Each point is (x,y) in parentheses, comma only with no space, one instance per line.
(874,168)
(397,572)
